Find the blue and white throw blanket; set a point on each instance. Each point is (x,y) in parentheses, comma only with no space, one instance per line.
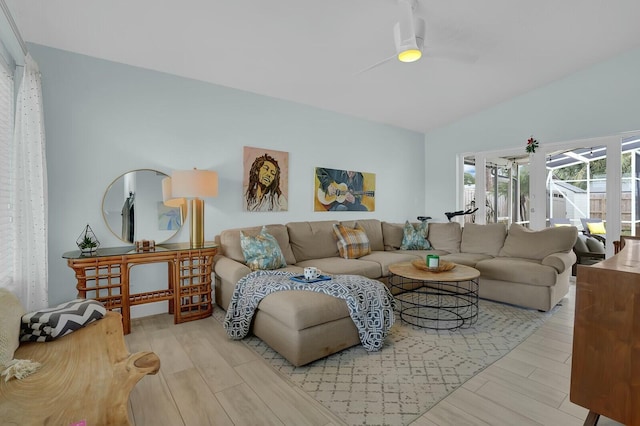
(370,302)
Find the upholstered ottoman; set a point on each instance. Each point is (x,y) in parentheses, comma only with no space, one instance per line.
(306,321)
(304,326)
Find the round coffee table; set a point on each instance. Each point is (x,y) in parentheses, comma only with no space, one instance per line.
(436,300)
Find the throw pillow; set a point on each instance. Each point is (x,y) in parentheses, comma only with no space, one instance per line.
(595,246)
(581,244)
(415,237)
(262,251)
(11,312)
(596,228)
(352,242)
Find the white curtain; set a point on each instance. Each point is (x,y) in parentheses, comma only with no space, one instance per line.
(30,193)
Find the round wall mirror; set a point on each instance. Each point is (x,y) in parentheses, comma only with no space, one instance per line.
(133,210)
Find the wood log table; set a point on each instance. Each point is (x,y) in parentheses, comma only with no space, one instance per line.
(85,376)
(437,300)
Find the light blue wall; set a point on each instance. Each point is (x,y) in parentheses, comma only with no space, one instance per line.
(103,119)
(599,101)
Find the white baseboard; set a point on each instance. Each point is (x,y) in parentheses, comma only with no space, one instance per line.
(149,309)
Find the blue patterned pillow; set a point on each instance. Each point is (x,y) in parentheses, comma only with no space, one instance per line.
(415,238)
(262,251)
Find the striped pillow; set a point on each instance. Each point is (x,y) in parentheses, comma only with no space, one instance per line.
(352,242)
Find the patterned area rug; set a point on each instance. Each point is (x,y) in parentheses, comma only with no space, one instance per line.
(414,370)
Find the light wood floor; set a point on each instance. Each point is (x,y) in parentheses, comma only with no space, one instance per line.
(206,379)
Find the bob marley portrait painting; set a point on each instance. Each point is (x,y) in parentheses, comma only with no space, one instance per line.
(266,180)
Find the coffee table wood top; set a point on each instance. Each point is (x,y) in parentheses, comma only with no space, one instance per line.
(459,273)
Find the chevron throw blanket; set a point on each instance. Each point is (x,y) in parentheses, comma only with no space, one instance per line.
(49,324)
(370,302)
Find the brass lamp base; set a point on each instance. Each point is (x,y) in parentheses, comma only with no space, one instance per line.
(196,234)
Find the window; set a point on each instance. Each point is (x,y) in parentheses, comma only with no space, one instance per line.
(6,134)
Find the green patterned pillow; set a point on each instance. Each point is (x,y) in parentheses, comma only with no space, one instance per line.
(262,251)
(415,238)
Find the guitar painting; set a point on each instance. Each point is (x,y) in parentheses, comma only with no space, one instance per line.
(342,190)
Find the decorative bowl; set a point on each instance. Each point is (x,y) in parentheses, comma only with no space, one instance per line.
(442,267)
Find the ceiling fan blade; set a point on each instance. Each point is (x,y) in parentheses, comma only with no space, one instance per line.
(377,64)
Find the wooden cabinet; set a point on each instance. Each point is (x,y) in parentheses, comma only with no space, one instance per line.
(104,276)
(605,370)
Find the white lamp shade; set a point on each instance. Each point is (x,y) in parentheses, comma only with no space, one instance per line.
(194,183)
(167,196)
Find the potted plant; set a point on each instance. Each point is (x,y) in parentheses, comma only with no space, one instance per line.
(87,241)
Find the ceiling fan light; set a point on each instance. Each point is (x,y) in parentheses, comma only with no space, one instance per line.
(409,55)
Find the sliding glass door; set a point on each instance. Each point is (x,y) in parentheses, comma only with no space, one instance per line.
(505,198)
(596,178)
(576,184)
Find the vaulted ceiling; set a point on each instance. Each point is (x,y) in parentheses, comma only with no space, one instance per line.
(477,53)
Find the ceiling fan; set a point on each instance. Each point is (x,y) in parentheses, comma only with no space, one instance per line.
(409,35)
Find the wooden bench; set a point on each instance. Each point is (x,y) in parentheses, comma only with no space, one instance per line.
(86,375)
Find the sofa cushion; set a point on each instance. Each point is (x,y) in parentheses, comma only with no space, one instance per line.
(338,265)
(386,258)
(312,240)
(262,251)
(392,235)
(373,228)
(468,259)
(445,236)
(352,242)
(483,239)
(230,241)
(415,237)
(422,254)
(517,270)
(11,312)
(527,244)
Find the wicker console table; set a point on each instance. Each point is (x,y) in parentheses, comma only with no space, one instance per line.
(104,276)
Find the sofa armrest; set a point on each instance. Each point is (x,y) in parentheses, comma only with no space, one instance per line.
(228,273)
(229,270)
(560,261)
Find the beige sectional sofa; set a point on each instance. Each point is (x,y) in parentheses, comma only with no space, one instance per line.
(521,267)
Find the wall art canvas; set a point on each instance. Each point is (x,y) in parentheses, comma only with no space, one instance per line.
(344,190)
(168,217)
(266,180)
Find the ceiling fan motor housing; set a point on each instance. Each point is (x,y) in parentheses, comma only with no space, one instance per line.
(409,33)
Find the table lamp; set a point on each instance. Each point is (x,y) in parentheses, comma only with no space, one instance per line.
(194,185)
